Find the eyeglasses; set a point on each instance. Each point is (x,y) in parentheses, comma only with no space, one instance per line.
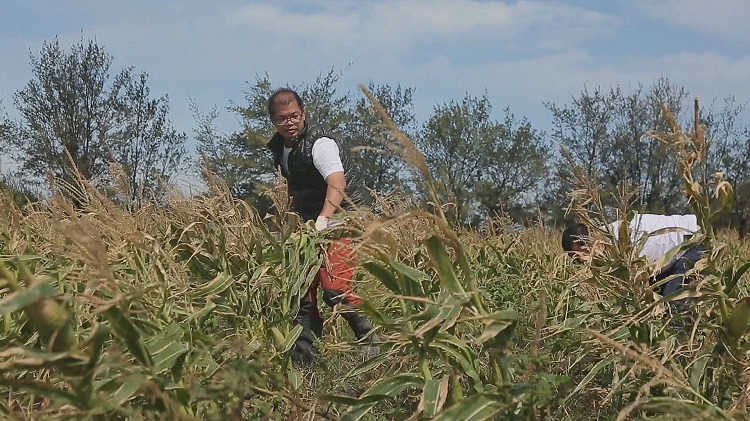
(294,118)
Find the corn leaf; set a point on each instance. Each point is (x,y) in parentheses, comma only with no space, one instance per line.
(20,299)
(443,265)
(433,397)
(472,408)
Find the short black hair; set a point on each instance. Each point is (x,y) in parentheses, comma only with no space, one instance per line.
(574,234)
(283,91)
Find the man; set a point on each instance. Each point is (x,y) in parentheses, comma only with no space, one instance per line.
(321,179)
(665,232)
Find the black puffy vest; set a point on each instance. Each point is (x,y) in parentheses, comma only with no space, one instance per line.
(306,186)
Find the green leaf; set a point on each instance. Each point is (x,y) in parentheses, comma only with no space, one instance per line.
(216,286)
(499,328)
(202,264)
(451,317)
(411,278)
(384,276)
(123,328)
(442,263)
(590,375)
(291,338)
(223,307)
(127,390)
(445,313)
(731,280)
(165,348)
(393,385)
(434,394)
(472,408)
(387,387)
(352,401)
(166,357)
(368,365)
(20,299)
(458,351)
(379,317)
(698,369)
(295,378)
(95,349)
(202,315)
(4,410)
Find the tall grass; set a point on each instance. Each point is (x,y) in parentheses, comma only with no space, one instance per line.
(185,311)
(632,348)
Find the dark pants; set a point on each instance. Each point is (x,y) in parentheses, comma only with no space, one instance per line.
(335,279)
(677,272)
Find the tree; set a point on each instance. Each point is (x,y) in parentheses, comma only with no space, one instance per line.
(6,126)
(242,165)
(643,160)
(516,171)
(729,153)
(241,158)
(143,141)
(583,129)
(478,162)
(382,170)
(606,134)
(73,110)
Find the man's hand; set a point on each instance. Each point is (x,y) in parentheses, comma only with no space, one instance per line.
(321,223)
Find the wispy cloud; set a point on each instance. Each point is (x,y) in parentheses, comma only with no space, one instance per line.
(522,52)
(726,19)
(394,27)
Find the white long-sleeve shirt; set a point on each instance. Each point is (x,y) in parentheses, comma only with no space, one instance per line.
(658,245)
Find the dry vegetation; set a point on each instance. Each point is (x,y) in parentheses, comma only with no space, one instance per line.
(184,311)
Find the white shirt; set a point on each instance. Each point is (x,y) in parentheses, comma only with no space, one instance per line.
(658,245)
(325,154)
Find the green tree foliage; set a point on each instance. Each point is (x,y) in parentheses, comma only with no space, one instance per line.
(143,141)
(605,132)
(243,162)
(642,160)
(517,169)
(453,141)
(729,152)
(72,109)
(477,161)
(3,118)
(241,158)
(383,170)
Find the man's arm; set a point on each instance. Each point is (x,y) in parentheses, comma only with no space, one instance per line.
(336,186)
(327,161)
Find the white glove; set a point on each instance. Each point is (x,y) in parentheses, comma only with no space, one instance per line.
(321,223)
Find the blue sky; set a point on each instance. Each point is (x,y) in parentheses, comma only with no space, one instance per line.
(523,53)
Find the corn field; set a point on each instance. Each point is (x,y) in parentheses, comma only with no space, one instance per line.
(184,310)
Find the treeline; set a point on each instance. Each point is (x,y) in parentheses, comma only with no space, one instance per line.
(77,120)
(486,166)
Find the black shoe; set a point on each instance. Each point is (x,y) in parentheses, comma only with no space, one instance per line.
(305,353)
(372,350)
(316,325)
(362,329)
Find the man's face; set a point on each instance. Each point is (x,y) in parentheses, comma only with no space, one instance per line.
(288,118)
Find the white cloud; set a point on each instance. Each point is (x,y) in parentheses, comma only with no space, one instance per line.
(392,28)
(522,52)
(723,18)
